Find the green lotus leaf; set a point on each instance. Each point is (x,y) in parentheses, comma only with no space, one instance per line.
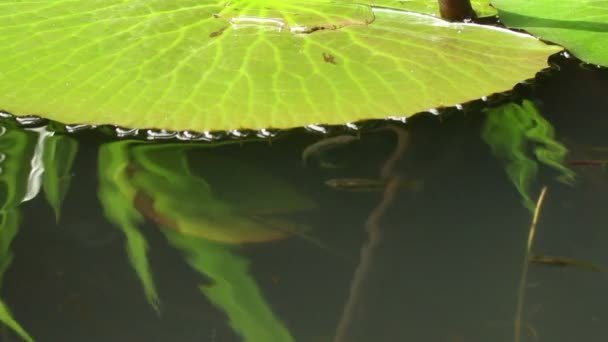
(581,26)
(482,7)
(202,65)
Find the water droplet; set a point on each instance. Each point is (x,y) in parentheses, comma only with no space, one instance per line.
(126,132)
(434,111)
(265,133)
(459,106)
(566,54)
(316,128)
(6,115)
(78,128)
(158,134)
(352,126)
(401,119)
(210,136)
(244,21)
(189,136)
(30,120)
(484,98)
(236,134)
(296,18)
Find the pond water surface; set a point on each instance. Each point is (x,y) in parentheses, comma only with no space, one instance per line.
(419,235)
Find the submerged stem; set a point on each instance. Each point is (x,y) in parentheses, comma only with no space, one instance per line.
(521,293)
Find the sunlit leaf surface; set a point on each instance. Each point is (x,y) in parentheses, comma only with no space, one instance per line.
(579,25)
(201,65)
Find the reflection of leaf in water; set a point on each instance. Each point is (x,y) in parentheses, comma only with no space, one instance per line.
(242,215)
(116,195)
(59,154)
(233,289)
(16,147)
(202,225)
(157,181)
(510,129)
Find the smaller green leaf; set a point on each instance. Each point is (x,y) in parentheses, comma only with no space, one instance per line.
(581,26)
(58,157)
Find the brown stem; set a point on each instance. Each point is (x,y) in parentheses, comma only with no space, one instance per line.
(456,10)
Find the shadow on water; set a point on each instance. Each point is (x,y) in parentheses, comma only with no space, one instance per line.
(396,232)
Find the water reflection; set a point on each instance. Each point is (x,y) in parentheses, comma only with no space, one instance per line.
(156,182)
(30,158)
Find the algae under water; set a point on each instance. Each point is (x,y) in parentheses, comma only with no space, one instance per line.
(170,241)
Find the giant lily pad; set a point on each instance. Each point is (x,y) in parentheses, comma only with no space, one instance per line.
(202,65)
(579,25)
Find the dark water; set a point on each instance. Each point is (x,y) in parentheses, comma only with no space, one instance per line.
(245,242)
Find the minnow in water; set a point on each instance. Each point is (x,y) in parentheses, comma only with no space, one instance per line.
(559,261)
(369,184)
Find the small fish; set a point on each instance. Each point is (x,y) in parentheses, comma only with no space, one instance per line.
(317,149)
(368,184)
(559,261)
